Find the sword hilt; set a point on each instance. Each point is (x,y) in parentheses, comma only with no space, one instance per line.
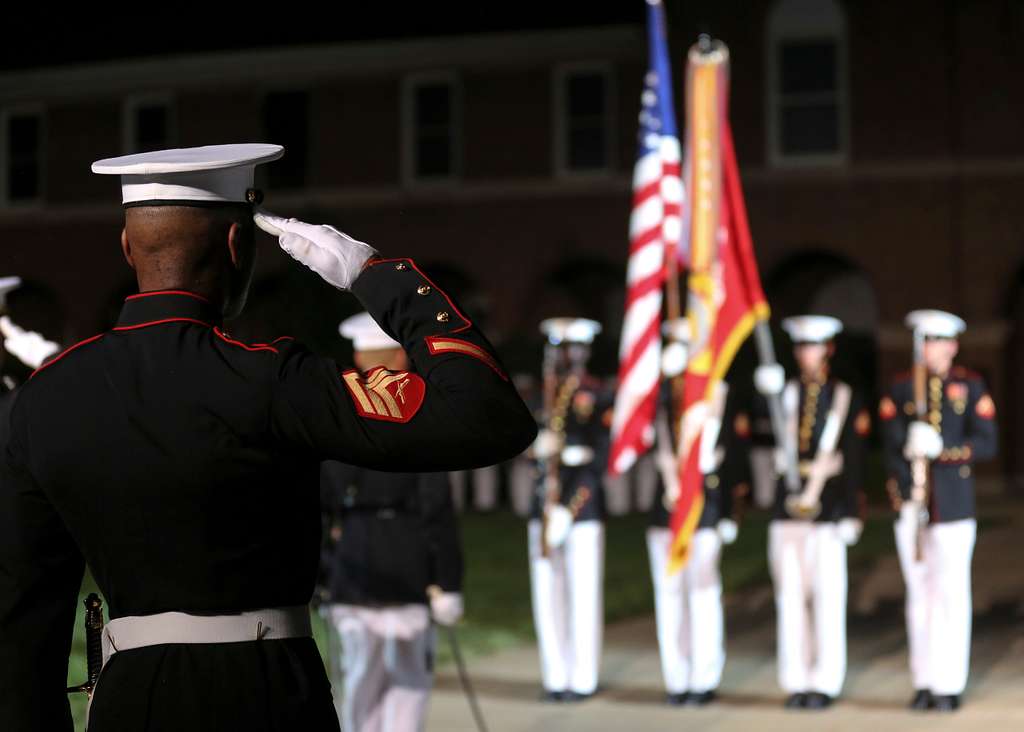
(93,643)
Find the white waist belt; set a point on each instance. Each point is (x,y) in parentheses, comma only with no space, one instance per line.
(140,631)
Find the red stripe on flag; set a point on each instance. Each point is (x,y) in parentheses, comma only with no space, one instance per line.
(644,287)
(637,352)
(632,432)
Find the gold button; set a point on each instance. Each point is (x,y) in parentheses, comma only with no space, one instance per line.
(909,408)
(935,382)
(401,266)
(442,317)
(711,482)
(965,471)
(423,289)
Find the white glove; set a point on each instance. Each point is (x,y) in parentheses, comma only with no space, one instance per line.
(335,256)
(769,379)
(446,607)
(558,526)
(674,358)
(575,455)
(548,443)
(923,441)
(728,530)
(849,530)
(25,345)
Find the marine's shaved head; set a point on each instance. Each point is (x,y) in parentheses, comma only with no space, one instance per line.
(208,250)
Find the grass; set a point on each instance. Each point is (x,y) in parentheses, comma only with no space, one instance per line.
(497,592)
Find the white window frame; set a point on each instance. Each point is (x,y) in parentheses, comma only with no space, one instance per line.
(129,117)
(21,110)
(410,84)
(806,20)
(559,148)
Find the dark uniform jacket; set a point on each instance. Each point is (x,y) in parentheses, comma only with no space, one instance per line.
(842,494)
(183,466)
(587,423)
(960,406)
(726,489)
(398,532)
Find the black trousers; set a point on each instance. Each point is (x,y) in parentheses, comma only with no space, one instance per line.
(258,686)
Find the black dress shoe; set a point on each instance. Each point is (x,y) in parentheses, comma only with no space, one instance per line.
(553,696)
(796,701)
(700,699)
(817,700)
(576,696)
(946,703)
(678,700)
(922,700)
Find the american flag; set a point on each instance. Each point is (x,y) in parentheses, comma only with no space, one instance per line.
(654,234)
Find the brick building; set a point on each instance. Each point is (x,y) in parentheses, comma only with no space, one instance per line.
(879,142)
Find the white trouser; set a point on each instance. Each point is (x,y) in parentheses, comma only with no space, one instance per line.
(808,566)
(688,609)
(387,663)
(485,488)
(568,606)
(938,602)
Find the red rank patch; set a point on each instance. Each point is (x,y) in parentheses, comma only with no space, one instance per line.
(583,404)
(985,408)
(956,391)
(862,424)
(886,409)
(391,396)
(741,425)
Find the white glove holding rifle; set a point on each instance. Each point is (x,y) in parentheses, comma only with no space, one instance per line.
(923,441)
(559,524)
(849,530)
(446,608)
(769,379)
(336,257)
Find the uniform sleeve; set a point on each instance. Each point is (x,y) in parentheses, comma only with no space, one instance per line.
(41,572)
(454,409)
(893,424)
(442,531)
(981,434)
(853,443)
(735,472)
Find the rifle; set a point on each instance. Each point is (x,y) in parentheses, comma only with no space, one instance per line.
(93,644)
(919,467)
(549,488)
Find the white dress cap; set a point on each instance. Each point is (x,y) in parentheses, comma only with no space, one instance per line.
(936,323)
(210,174)
(570,330)
(812,328)
(677,329)
(365,334)
(6,285)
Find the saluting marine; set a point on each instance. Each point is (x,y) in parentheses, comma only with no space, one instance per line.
(688,603)
(566,527)
(183,465)
(397,564)
(937,421)
(825,428)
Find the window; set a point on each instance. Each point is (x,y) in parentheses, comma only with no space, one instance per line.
(22,156)
(431,128)
(286,121)
(148,124)
(583,128)
(807,80)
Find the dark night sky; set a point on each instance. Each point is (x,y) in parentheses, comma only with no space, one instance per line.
(47,44)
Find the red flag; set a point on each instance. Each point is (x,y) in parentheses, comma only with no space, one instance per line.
(725,298)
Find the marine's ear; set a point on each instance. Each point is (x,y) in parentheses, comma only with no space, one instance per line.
(126,248)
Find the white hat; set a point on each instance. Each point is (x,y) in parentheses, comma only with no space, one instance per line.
(211,174)
(6,285)
(935,323)
(365,334)
(677,329)
(812,328)
(570,330)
